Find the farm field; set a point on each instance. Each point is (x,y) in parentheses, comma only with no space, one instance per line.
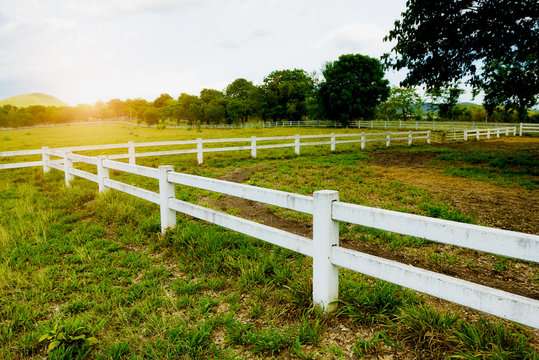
(93,273)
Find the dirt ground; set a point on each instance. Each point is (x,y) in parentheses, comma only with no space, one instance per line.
(507,207)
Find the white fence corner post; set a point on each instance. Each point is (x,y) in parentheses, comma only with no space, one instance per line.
(362,140)
(166,192)
(297,144)
(68,165)
(388,139)
(253,146)
(325,236)
(131,150)
(200,151)
(332,142)
(409,138)
(45,157)
(428,137)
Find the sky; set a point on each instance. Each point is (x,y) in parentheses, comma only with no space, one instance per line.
(82,51)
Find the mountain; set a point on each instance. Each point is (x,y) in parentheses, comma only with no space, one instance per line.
(32,99)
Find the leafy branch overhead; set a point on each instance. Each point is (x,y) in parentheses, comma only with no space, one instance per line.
(491,44)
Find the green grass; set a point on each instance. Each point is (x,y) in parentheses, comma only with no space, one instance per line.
(71,258)
(498,166)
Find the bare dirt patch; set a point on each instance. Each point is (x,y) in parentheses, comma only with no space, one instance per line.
(259,212)
(511,208)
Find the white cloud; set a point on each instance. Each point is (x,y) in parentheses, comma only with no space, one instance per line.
(358,37)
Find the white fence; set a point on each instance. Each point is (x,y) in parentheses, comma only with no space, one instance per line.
(481,133)
(324,248)
(447,126)
(250,144)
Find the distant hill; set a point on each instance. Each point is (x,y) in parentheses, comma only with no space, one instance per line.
(32,99)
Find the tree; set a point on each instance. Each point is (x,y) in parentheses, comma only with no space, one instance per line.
(354,85)
(187,103)
(491,44)
(446,100)
(162,100)
(115,105)
(285,94)
(403,101)
(239,89)
(243,100)
(213,106)
(137,107)
(151,116)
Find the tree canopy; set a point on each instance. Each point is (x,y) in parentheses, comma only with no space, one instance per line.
(491,44)
(354,85)
(401,101)
(286,93)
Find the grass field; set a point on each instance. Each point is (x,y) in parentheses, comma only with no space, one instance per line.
(91,277)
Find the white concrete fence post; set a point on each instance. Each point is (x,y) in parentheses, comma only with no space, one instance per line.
(297,144)
(409,138)
(102,173)
(332,142)
(428,137)
(325,236)
(362,140)
(45,157)
(68,165)
(131,150)
(200,151)
(388,139)
(253,146)
(166,191)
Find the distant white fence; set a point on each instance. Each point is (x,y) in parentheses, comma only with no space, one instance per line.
(481,133)
(447,126)
(253,144)
(324,248)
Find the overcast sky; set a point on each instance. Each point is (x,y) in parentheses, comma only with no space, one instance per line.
(82,51)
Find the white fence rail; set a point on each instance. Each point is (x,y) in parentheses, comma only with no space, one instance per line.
(481,133)
(253,144)
(524,128)
(324,248)
(447,126)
